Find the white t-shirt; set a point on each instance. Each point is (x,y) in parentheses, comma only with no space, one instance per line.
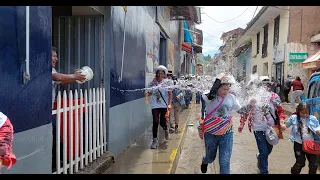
(305,133)
(229,104)
(3,119)
(260,122)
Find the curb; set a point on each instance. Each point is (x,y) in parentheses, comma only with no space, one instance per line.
(176,154)
(100,165)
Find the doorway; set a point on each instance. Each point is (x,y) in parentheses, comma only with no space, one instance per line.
(163,51)
(279,78)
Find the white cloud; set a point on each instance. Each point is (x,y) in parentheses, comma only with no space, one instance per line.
(212,30)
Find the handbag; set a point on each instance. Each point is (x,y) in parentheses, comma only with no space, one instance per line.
(167,112)
(276,127)
(205,124)
(271,136)
(309,146)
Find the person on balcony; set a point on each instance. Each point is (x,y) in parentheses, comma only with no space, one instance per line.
(62,79)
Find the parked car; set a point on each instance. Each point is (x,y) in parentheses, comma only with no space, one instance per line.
(313,97)
(313,94)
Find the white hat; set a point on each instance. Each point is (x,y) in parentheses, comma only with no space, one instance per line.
(162,68)
(228,79)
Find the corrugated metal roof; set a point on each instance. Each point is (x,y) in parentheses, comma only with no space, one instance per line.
(313,58)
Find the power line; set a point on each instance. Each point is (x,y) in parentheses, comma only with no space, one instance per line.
(227,20)
(254,12)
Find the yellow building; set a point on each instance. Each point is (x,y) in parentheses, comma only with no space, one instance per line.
(268,32)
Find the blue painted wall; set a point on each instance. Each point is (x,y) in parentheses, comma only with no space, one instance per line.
(134,56)
(129,116)
(28,106)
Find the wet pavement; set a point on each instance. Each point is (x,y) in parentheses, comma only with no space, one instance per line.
(243,159)
(193,148)
(140,159)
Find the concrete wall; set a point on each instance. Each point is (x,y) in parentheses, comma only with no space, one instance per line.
(28,106)
(129,116)
(304,24)
(283,34)
(175,37)
(310,26)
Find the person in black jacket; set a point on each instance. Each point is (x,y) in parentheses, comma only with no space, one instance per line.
(287,88)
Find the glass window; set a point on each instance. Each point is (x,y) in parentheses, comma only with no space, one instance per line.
(313,90)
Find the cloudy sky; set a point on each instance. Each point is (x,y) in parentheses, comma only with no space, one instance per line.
(219,19)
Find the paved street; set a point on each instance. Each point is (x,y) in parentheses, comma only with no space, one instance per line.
(243,159)
(140,159)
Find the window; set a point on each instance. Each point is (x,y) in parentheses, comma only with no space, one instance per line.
(258,42)
(254,69)
(265,41)
(314,90)
(276,31)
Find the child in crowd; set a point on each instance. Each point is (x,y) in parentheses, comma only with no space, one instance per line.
(305,127)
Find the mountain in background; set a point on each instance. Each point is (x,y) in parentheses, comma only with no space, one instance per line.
(211,52)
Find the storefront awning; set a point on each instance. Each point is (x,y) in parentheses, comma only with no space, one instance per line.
(312,61)
(186,47)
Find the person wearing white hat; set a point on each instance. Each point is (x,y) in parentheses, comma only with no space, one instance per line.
(161,102)
(218,134)
(263,117)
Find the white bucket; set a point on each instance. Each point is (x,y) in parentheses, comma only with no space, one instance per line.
(87,72)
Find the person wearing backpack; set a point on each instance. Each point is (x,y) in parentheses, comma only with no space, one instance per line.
(216,127)
(305,137)
(161,102)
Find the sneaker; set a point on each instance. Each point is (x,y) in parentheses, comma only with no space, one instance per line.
(204,167)
(154,144)
(171,130)
(166,134)
(176,129)
(257,156)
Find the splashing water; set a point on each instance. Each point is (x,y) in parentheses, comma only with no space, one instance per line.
(245,92)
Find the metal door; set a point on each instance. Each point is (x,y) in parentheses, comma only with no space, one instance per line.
(79,40)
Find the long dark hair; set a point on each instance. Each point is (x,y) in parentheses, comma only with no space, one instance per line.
(300,107)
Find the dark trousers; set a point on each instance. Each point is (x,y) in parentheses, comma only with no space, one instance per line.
(265,150)
(158,116)
(286,95)
(301,160)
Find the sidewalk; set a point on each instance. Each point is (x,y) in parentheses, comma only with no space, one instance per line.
(140,159)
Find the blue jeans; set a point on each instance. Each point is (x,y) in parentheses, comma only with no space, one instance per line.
(264,151)
(187,103)
(203,107)
(224,142)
